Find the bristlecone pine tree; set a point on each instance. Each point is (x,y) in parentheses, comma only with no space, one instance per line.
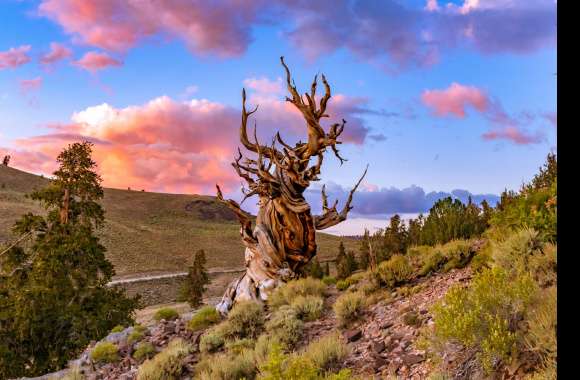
(197,279)
(284,238)
(53,294)
(316,270)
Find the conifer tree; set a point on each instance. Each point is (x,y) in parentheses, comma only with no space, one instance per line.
(342,265)
(327,269)
(53,294)
(364,251)
(316,269)
(196,282)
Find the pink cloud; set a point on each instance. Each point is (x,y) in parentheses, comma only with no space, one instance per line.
(221,27)
(14,57)
(264,85)
(455,99)
(28,85)
(514,135)
(171,146)
(93,61)
(57,52)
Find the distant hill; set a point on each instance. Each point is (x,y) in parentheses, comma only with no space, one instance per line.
(151,232)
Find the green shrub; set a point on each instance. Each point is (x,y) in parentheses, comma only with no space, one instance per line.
(227,366)
(329,280)
(328,352)
(308,308)
(394,271)
(145,350)
(417,254)
(134,336)
(433,262)
(245,320)
(342,285)
(117,329)
(285,326)
(279,366)
(263,347)
(168,364)
(284,294)
(236,346)
(479,316)
(205,317)
(214,338)
(540,337)
(105,352)
(412,319)
(167,313)
(457,254)
(348,307)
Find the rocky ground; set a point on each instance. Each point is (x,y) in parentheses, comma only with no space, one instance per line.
(383,342)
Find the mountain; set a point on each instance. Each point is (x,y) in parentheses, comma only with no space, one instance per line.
(151,232)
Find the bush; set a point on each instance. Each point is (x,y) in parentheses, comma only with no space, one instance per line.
(329,280)
(284,294)
(168,364)
(214,338)
(342,285)
(167,313)
(136,334)
(245,320)
(285,326)
(328,352)
(227,366)
(117,329)
(263,347)
(205,317)
(433,262)
(145,350)
(412,319)
(280,366)
(105,352)
(348,307)
(457,253)
(540,337)
(394,271)
(481,315)
(308,308)
(236,346)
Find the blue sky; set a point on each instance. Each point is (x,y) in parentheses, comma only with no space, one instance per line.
(379,56)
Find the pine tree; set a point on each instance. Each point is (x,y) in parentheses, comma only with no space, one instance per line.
(342,264)
(351,262)
(53,294)
(6,160)
(364,251)
(316,269)
(327,269)
(196,282)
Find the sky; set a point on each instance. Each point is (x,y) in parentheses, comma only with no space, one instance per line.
(441,98)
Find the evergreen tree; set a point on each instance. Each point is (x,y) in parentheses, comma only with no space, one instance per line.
(327,269)
(414,232)
(342,263)
(351,262)
(395,237)
(364,251)
(316,270)
(196,281)
(53,294)
(6,160)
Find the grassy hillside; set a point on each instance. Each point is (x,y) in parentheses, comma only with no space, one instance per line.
(151,232)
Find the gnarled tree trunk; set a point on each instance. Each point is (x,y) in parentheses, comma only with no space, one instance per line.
(284,238)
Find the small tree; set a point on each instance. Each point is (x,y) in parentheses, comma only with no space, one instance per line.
(327,269)
(197,279)
(6,160)
(316,269)
(345,262)
(351,261)
(364,251)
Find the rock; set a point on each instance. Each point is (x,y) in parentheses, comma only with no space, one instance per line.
(397,336)
(412,359)
(386,325)
(423,311)
(352,335)
(377,347)
(379,362)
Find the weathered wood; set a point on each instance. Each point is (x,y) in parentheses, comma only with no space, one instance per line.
(284,238)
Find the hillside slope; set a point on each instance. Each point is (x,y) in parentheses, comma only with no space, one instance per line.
(151,232)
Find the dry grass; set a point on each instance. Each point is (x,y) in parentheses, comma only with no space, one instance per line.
(152,232)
